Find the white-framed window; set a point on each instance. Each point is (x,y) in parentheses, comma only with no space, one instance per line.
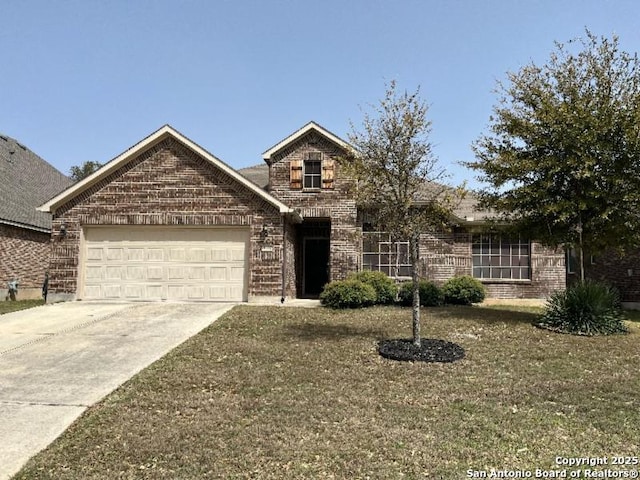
(312,172)
(380,253)
(497,256)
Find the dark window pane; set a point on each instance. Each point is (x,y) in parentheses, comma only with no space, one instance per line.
(477,272)
(476,261)
(404,271)
(312,167)
(486,272)
(370,260)
(495,261)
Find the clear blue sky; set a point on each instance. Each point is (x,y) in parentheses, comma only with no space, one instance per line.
(85,80)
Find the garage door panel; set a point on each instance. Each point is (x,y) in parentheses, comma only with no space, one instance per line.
(112,291)
(155,254)
(218,274)
(135,254)
(236,274)
(94,253)
(155,273)
(114,273)
(135,273)
(197,255)
(115,253)
(151,263)
(177,255)
(94,273)
(237,255)
(218,292)
(218,255)
(197,273)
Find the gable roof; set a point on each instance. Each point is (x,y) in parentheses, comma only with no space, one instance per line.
(311,126)
(27,181)
(156,137)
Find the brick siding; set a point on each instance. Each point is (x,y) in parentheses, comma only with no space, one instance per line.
(24,255)
(336,203)
(622,270)
(170,185)
(446,254)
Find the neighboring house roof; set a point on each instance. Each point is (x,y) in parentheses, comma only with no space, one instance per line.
(27,181)
(311,126)
(158,136)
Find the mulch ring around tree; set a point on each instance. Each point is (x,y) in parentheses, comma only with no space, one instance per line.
(430,350)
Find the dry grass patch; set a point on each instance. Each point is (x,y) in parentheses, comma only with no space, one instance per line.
(302,393)
(9,306)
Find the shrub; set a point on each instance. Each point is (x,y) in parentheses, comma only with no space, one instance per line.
(386,289)
(348,294)
(588,308)
(430,294)
(463,290)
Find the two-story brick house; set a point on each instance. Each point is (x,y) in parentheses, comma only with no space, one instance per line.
(167,220)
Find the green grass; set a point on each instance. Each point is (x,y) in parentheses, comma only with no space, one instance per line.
(273,392)
(9,306)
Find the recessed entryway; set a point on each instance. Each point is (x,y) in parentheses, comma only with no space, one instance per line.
(314,256)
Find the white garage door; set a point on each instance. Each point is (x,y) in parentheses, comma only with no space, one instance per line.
(158,263)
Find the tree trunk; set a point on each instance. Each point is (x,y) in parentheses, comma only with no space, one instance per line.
(414,248)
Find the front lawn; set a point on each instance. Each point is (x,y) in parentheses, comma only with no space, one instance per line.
(9,306)
(269,392)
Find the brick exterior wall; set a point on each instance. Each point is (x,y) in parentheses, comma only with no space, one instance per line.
(446,254)
(24,255)
(170,185)
(618,269)
(336,203)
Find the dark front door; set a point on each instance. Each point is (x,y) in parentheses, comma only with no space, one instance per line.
(315,266)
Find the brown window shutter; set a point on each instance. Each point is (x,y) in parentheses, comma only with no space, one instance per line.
(295,176)
(328,169)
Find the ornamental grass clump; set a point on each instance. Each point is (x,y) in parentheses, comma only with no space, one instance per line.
(348,294)
(385,287)
(586,308)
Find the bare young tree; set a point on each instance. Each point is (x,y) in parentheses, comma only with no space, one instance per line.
(398,180)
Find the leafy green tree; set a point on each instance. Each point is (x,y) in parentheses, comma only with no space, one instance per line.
(77,173)
(397,177)
(562,156)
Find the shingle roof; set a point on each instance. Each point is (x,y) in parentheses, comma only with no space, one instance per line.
(258,174)
(27,181)
(466,210)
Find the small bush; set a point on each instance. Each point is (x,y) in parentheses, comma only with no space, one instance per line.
(386,289)
(348,294)
(430,294)
(588,308)
(463,290)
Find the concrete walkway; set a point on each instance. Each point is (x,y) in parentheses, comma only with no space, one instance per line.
(57,360)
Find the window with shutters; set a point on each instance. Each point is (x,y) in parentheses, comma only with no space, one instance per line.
(313,170)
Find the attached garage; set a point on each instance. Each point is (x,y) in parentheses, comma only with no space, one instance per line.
(164,263)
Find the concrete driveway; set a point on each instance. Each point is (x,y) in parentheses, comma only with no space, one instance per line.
(57,360)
